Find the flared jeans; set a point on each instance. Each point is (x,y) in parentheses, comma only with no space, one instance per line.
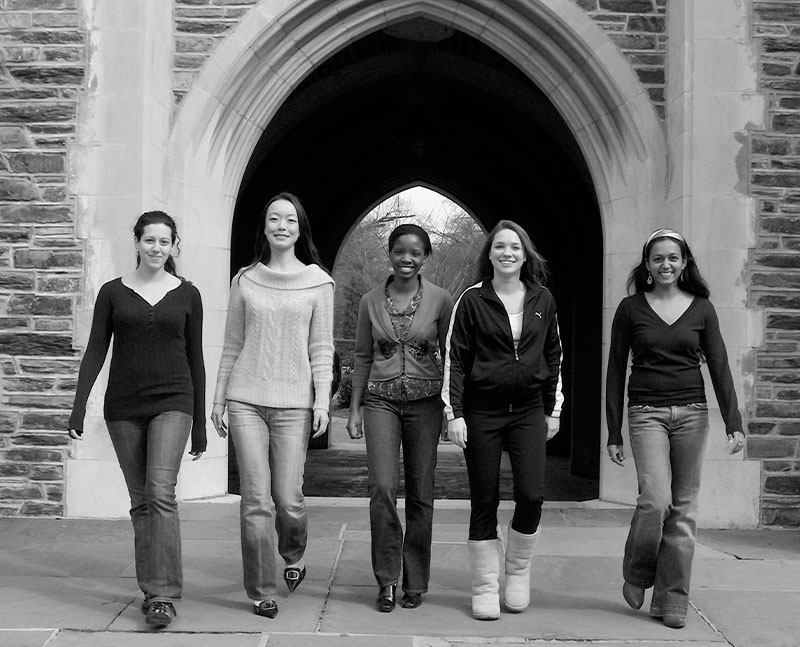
(149,451)
(271,448)
(415,425)
(668,444)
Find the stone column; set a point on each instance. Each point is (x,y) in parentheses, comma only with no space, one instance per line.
(711,99)
(118,167)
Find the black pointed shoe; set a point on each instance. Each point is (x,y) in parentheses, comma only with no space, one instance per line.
(266,608)
(293,576)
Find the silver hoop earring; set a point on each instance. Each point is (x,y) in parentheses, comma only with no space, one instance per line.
(649,279)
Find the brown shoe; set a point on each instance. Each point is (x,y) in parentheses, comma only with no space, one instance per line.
(674,621)
(634,595)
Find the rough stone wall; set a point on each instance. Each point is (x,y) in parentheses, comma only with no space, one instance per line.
(638,27)
(775,262)
(42,67)
(200,25)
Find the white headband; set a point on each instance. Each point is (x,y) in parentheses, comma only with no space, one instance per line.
(664,233)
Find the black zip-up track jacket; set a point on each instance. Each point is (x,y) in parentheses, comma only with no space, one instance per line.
(483,371)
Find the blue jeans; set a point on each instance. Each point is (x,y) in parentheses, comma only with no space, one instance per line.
(667,445)
(271,451)
(149,452)
(416,426)
(524,435)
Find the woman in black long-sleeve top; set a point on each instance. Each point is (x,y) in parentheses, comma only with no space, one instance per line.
(502,388)
(154,401)
(667,327)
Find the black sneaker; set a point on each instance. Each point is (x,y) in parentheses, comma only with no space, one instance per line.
(160,614)
(146,603)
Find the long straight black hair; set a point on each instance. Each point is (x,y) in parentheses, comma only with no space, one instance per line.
(158,218)
(304,248)
(534,269)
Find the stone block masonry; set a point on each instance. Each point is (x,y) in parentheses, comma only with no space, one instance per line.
(44,54)
(774,285)
(638,27)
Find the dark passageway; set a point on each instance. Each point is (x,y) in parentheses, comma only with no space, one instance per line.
(423,104)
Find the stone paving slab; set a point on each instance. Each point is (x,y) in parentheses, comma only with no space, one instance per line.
(75,577)
(770,619)
(84,603)
(137,639)
(209,607)
(335,640)
(27,638)
(446,613)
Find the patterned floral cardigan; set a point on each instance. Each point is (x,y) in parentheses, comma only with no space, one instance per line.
(400,353)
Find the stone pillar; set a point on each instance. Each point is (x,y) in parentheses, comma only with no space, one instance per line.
(119,165)
(711,99)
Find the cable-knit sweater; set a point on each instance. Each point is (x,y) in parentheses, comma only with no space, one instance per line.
(278,349)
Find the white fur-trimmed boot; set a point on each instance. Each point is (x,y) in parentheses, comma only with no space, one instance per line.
(484,560)
(519,554)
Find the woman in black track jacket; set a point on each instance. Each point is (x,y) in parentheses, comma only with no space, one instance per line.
(502,389)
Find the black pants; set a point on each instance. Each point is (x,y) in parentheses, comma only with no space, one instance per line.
(524,435)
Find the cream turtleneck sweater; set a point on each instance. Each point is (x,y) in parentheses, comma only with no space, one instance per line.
(278,349)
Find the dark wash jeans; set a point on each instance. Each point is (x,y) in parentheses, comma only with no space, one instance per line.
(416,426)
(524,434)
(149,451)
(667,445)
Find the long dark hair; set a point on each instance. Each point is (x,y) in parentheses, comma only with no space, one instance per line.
(407,229)
(534,269)
(158,218)
(689,279)
(304,248)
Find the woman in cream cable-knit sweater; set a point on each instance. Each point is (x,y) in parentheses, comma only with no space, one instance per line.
(275,378)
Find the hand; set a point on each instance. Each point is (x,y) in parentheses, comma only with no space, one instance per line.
(355,425)
(75,434)
(196,455)
(457,432)
(320,424)
(219,423)
(553,425)
(616,454)
(736,441)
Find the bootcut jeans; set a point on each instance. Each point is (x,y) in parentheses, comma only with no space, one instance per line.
(271,448)
(415,425)
(149,451)
(667,445)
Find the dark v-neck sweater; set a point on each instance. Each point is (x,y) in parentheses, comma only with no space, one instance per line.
(665,361)
(156,360)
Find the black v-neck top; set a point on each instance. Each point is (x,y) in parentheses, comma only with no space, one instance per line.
(665,361)
(156,359)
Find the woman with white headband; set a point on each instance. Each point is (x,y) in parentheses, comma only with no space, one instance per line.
(668,327)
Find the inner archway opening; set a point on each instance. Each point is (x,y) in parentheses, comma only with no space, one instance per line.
(433,106)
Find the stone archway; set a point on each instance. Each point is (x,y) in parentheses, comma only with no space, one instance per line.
(423,102)
(554,45)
